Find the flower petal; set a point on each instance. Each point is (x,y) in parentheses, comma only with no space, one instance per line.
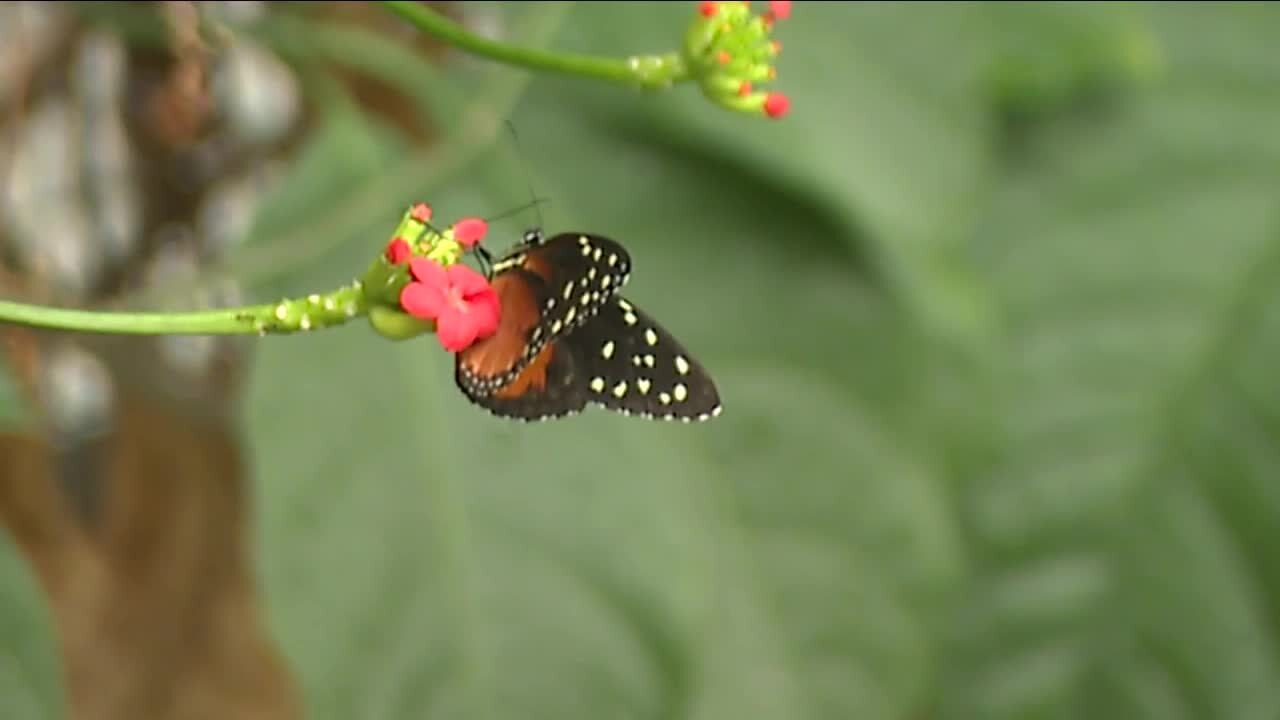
(466,280)
(428,271)
(421,212)
(486,312)
(469,231)
(456,331)
(781,9)
(424,301)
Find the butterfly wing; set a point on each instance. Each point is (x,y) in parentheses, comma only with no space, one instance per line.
(629,363)
(496,360)
(580,271)
(547,387)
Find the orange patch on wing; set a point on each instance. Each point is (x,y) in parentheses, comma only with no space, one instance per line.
(534,376)
(501,351)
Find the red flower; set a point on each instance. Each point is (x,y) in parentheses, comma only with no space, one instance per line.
(421,212)
(778,10)
(776,105)
(458,298)
(469,231)
(398,251)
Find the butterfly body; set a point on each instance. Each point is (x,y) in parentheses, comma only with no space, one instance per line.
(568,340)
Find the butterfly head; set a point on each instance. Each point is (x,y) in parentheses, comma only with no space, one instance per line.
(533,237)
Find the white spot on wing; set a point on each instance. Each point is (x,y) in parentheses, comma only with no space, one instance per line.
(680,392)
(651,337)
(606,352)
(682,365)
(643,385)
(597,384)
(620,389)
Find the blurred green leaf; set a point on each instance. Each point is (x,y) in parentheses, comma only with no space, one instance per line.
(30,673)
(1124,538)
(464,565)
(12,413)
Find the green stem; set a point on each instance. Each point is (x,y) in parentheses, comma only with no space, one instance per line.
(297,315)
(650,71)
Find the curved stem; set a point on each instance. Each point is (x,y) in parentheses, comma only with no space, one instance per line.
(208,322)
(653,71)
(296,315)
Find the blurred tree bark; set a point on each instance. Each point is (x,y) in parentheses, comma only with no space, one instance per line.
(128,492)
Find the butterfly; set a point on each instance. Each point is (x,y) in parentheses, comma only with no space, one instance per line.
(567,340)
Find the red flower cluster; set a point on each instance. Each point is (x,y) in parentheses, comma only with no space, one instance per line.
(458,298)
(730,51)
(460,301)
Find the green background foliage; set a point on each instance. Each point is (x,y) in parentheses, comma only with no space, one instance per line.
(993,316)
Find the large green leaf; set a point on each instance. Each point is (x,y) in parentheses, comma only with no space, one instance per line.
(425,558)
(1124,537)
(797,558)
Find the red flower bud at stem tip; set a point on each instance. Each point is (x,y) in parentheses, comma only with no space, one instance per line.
(744,89)
(780,9)
(776,105)
(398,250)
(776,45)
(773,73)
(421,212)
(469,231)
(724,58)
(709,9)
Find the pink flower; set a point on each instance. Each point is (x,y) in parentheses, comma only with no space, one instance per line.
(469,231)
(398,251)
(779,9)
(458,298)
(421,212)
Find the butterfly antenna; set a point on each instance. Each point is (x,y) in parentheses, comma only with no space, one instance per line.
(513,211)
(524,170)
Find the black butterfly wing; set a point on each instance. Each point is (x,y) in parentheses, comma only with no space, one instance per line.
(581,272)
(547,288)
(492,362)
(548,387)
(627,362)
